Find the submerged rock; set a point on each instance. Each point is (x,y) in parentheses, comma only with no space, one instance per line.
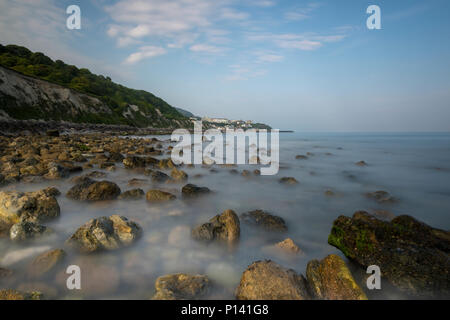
(134,194)
(94,190)
(381,196)
(361,163)
(37,206)
(224,227)
(158,195)
(191,190)
(25,230)
(301,157)
(289,181)
(157,176)
(105,233)
(411,255)
(289,246)
(330,279)
(265,220)
(267,280)
(133,162)
(181,287)
(5,273)
(178,175)
(46,262)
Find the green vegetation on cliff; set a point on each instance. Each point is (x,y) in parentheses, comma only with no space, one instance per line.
(117,97)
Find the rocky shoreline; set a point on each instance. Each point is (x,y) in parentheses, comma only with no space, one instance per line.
(413,256)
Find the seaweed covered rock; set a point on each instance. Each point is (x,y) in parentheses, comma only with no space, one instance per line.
(411,255)
(267,280)
(265,220)
(181,287)
(330,279)
(92,190)
(105,233)
(225,227)
(28,206)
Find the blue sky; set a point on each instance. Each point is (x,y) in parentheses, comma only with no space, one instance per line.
(303,65)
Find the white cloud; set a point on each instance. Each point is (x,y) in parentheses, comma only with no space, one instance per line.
(305,42)
(269,57)
(232,14)
(206,48)
(302,13)
(262,3)
(145,53)
(239,73)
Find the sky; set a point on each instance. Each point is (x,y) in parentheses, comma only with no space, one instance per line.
(300,65)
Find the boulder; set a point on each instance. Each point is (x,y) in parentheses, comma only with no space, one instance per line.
(191,190)
(105,233)
(134,194)
(181,287)
(267,280)
(225,227)
(25,230)
(94,190)
(37,206)
(411,255)
(330,279)
(361,163)
(46,262)
(158,195)
(265,220)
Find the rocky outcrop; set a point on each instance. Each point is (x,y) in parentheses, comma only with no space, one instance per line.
(264,220)
(330,279)
(105,233)
(411,255)
(224,227)
(181,287)
(267,280)
(92,190)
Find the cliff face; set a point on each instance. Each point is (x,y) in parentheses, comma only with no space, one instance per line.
(23,97)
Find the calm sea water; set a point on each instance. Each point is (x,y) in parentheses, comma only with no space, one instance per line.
(415,168)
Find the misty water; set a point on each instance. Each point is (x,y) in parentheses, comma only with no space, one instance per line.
(414,168)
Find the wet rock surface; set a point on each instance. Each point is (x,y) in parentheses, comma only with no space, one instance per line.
(158,196)
(134,194)
(412,255)
(91,190)
(26,230)
(224,227)
(264,220)
(181,287)
(330,279)
(290,181)
(191,190)
(105,233)
(46,262)
(267,280)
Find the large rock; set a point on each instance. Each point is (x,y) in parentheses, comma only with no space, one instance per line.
(330,279)
(225,227)
(191,190)
(46,262)
(181,287)
(37,206)
(105,233)
(159,196)
(157,176)
(26,230)
(288,181)
(411,255)
(132,162)
(265,220)
(94,190)
(267,280)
